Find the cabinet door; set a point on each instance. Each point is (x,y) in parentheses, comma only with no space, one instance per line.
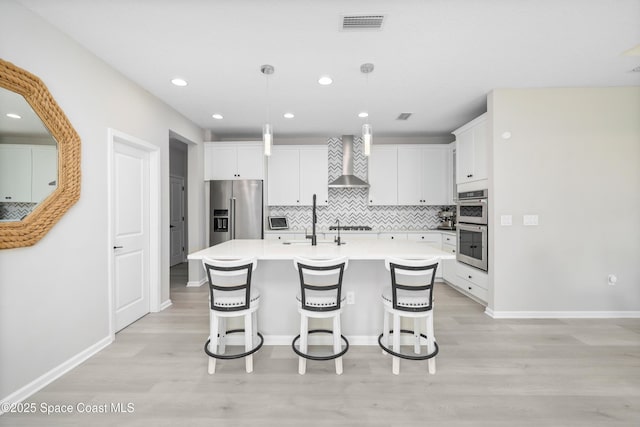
(435,176)
(250,162)
(480,152)
(283,186)
(220,162)
(15,174)
(44,176)
(410,176)
(383,175)
(314,175)
(464,156)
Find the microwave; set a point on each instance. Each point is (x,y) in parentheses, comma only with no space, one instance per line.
(472,207)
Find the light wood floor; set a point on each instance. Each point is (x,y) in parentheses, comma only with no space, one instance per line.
(490,373)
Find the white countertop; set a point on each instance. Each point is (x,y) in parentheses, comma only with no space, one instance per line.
(356,249)
(374,231)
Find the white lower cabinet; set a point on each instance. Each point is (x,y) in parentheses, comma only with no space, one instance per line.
(468,279)
(283,236)
(393,236)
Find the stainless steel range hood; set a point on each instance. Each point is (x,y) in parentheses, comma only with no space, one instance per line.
(348,179)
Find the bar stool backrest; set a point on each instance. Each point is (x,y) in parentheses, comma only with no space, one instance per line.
(412,283)
(321,282)
(229,277)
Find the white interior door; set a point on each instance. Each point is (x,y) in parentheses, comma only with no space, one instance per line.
(131,233)
(177,220)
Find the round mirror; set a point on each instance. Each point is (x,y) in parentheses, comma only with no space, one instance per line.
(39,159)
(28,158)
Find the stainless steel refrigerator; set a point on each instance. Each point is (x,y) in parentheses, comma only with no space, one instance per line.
(235,210)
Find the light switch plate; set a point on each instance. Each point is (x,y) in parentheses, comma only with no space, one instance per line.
(506,220)
(530,220)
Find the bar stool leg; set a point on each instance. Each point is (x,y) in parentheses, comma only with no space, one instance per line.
(396,343)
(213,341)
(304,328)
(337,343)
(416,335)
(222,341)
(431,339)
(248,341)
(385,330)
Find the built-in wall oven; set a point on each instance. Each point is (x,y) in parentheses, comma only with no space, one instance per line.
(472,230)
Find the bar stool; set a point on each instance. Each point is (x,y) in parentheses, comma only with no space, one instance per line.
(409,295)
(231,295)
(320,297)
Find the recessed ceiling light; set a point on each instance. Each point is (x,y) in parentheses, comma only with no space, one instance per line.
(288,115)
(179,82)
(325,80)
(217,116)
(13,116)
(363,114)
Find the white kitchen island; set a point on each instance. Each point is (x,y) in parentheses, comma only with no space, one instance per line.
(278,281)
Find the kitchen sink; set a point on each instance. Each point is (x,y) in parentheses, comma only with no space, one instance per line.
(308,242)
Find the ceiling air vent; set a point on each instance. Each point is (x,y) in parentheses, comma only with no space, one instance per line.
(404,116)
(362,22)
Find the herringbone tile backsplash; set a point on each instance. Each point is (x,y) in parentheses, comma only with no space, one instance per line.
(349,205)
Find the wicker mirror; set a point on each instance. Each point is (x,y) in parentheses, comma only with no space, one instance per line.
(37,223)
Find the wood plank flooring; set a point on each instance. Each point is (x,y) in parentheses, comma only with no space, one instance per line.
(563,372)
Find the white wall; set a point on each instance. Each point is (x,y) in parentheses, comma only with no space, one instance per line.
(574,160)
(54,295)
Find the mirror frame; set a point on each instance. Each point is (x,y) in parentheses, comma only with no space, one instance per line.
(35,225)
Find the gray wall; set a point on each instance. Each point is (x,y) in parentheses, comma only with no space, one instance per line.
(574,160)
(54,295)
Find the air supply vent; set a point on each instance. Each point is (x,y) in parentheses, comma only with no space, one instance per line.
(404,116)
(362,22)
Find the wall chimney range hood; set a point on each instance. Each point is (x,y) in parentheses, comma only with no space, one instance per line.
(348,179)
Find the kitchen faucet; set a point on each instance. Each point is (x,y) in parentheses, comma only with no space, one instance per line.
(337,239)
(314,219)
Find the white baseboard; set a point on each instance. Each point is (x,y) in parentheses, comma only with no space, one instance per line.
(562,314)
(196,283)
(47,378)
(165,305)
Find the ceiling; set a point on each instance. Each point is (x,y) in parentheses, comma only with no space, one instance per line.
(437,59)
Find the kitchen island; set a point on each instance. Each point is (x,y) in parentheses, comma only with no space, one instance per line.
(278,281)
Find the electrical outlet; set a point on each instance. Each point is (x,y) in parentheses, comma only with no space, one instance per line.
(351,297)
(506,220)
(530,220)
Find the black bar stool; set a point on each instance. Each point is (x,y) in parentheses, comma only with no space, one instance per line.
(409,295)
(320,298)
(231,295)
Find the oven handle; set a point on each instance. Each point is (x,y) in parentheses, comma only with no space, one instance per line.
(472,201)
(472,227)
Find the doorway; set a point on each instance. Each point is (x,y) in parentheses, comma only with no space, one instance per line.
(178,172)
(134,246)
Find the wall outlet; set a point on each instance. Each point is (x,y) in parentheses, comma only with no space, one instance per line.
(612,279)
(351,297)
(530,220)
(506,220)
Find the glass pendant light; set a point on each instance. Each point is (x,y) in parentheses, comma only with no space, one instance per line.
(367,131)
(267,130)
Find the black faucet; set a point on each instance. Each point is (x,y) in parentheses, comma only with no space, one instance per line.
(337,239)
(314,219)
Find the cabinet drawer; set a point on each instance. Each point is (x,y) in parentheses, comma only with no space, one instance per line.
(283,236)
(435,239)
(393,236)
(449,239)
(473,289)
(449,248)
(472,275)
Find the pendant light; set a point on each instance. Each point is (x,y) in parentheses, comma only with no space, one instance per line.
(367,131)
(267,130)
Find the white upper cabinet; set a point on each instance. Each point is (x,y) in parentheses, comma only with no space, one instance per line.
(15,173)
(44,175)
(233,160)
(424,175)
(296,173)
(471,151)
(383,175)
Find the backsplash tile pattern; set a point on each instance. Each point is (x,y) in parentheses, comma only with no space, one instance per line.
(15,211)
(349,205)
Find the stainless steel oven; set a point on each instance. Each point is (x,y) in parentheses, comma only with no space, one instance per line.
(472,232)
(473,207)
(472,245)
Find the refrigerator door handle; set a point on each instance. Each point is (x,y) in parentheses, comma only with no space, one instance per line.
(233,217)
